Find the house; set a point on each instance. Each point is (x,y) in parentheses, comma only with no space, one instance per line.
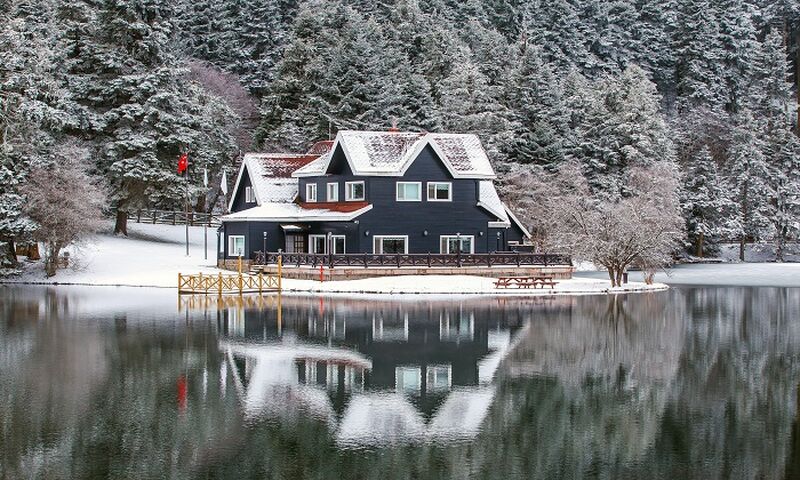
(371,192)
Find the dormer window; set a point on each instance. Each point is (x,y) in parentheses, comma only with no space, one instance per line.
(333,192)
(353,191)
(311,192)
(249,197)
(440,192)
(409,191)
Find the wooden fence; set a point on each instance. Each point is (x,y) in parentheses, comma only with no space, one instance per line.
(226,284)
(176,217)
(367,260)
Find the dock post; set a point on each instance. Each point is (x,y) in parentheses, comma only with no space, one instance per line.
(280,271)
(179,282)
(260,279)
(220,284)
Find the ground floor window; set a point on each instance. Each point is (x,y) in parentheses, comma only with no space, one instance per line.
(295,243)
(450,244)
(316,244)
(235,245)
(337,243)
(390,244)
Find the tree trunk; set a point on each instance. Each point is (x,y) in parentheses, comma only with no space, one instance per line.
(612,276)
(741,248)
(620,273)
(33,251)
(121,224)
(780,243)
(8,255)
(51,259)
(700,241)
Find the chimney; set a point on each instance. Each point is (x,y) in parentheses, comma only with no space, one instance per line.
(394,128)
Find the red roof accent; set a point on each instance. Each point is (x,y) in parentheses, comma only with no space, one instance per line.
(334,206)
(282,165)
(321,147)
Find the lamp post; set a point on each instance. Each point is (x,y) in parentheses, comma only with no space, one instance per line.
(458,249)
(264,251)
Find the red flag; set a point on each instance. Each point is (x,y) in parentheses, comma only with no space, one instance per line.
(183,162)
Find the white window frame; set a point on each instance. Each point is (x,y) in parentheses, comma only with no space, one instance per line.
(347,193)
(383,237)
(311,192)
(311,243)
(232,249)
(333,243)
(434,185)
(332,193)
(249,197)
(456,237)
(397,192)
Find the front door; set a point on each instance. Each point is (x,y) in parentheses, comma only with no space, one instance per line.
(295,243)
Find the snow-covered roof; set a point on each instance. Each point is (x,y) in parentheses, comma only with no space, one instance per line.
(271,174)
(293,212)
(489,200)
(391,153)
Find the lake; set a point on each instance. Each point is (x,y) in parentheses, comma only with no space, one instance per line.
(694,382)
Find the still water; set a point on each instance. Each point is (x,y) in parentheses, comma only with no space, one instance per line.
(696,382)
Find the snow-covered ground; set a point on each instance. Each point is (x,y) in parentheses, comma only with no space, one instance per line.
(723,274)
(151,256)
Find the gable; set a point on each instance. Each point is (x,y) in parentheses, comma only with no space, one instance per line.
(338,164)
(427,164)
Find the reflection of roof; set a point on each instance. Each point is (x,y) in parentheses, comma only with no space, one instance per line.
(293,212)
(391,153)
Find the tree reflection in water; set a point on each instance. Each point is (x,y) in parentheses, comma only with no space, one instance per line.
(699,383)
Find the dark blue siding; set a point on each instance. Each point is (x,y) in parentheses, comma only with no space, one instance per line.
(239,195)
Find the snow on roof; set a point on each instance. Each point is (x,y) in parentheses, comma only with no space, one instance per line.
(490,201)
(391,153)
(271,175)
(292,212)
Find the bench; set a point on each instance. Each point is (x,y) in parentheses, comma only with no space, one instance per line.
(526,282)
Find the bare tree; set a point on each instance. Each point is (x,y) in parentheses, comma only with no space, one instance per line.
(64,201)
(641,229)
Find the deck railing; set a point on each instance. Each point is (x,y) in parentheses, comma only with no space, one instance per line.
(176,217)
(398,260)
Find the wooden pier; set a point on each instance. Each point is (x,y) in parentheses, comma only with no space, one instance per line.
(226,284)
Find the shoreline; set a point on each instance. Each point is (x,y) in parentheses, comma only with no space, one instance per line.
(573,287)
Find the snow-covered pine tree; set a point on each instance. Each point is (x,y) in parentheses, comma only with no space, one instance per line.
(652,33)
(699,56)
(783,157)
(142,111)
(538,116)
(556,27)
(622,127)
(705,202)
(740,53)
(773,97)
(34,109)
(748,173)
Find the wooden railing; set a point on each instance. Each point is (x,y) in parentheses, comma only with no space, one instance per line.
(176,217)
(223,284)
(367,260)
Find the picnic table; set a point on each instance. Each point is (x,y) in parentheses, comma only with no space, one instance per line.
(534,281)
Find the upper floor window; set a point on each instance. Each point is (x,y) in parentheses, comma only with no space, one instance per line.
(311,192)
(440,191)
(249,197)
(333,192)
(353,191)
(409,191)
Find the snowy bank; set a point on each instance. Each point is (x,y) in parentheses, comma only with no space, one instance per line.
(153,255)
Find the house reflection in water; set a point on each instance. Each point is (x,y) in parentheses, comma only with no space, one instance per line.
(377,373)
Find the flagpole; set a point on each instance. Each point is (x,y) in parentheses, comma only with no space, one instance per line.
(187,208)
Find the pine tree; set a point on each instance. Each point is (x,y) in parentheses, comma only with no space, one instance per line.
(783,156)
(748,173)
(538,115)
(141,109)
(741,51)
(705,202)
(699,56)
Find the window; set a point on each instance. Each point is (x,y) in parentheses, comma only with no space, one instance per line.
(317,244)
(333,192)
(353,191)
(295,244)
(449,244)
(408,380)
(337,243)
(390,244)
(235,245)
(409,191)
(440,191)
(311,192)
(248,195)
(438,378)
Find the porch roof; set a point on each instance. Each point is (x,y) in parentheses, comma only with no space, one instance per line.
(292,212)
